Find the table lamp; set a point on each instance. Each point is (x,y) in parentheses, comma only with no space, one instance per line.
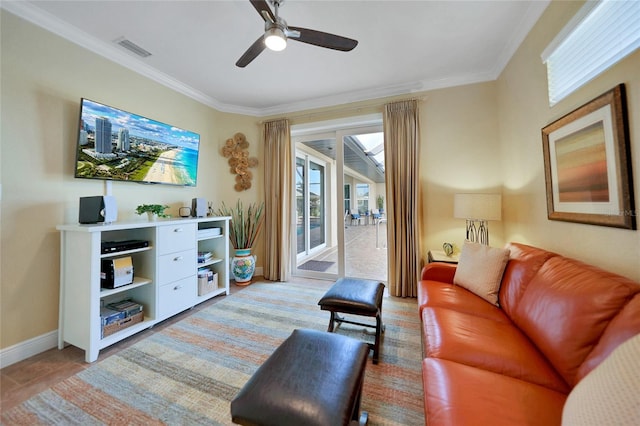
(477,208)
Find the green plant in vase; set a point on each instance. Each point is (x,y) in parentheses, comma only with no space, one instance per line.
(152,210)
(244,228)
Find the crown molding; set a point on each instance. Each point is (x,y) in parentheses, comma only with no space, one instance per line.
(531,16)
(45,20)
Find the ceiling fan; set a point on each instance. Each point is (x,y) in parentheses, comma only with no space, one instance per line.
(277,32)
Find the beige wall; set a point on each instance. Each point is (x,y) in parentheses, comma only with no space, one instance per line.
(459,153)
(480,137)
(43,79)
(523,110)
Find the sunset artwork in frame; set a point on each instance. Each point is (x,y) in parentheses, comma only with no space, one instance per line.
(587,162)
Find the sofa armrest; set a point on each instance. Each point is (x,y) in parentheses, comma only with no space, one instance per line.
(437,271)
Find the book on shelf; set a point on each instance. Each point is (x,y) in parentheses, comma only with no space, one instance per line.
(109,316)
(203,256)
(127,306)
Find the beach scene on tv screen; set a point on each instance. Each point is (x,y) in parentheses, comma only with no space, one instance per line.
(118,145)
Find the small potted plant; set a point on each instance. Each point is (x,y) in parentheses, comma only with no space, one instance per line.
(380,202)
(152,210)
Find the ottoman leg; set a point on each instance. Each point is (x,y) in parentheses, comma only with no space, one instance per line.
(376,346)
(331,321)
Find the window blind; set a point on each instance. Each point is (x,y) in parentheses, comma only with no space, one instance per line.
(602,33)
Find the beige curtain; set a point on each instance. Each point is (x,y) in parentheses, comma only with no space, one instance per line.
(402,154)
(278,166)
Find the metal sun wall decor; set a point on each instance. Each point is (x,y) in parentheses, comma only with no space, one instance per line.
(236,149)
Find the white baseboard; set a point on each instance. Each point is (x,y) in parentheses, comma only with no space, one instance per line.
(36,345)
(28,348)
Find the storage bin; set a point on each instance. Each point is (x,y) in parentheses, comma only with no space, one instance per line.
(207,283)
(119,325)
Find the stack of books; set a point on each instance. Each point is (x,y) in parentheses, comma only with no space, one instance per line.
(109,316)
(128,306)
(204,256)
(118,316)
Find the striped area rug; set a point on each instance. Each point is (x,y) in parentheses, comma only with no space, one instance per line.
(189,372)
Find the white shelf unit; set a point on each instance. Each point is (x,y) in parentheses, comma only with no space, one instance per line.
(165,275)
(219,262)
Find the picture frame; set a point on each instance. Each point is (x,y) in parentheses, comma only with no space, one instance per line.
(587,163)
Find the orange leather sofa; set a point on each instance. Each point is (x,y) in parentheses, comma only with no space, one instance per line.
(515,364)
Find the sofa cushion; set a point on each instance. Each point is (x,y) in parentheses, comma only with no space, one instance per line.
(524,263)
(434,293)
(622,327)
(490,345)
(608,395)
(458,394)
(566,308)
(480,270)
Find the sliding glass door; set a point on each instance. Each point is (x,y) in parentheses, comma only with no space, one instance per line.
(339,223)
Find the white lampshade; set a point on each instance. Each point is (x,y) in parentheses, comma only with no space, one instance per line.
(477,206)
(275,39)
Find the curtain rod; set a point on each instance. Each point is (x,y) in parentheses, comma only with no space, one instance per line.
(343,109)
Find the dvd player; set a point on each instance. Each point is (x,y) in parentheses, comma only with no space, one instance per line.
(108,247)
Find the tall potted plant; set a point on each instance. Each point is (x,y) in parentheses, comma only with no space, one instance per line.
(380,202)
(244,228)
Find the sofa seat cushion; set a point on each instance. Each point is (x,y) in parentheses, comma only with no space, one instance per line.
(438,294)
(458,394)
(486,344)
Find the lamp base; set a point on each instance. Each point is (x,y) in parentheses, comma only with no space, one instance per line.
(478,234)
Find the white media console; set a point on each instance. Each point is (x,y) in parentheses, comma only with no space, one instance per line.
(165,274)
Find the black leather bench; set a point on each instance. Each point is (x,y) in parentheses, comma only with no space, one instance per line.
(312,378)
(355,296)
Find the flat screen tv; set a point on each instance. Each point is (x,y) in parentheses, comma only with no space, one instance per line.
(121,146)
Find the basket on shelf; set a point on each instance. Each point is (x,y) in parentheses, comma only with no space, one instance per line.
(119,325)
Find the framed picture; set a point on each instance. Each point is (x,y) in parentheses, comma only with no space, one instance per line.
(587,164)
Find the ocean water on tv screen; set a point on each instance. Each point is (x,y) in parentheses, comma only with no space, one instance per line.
(118,145)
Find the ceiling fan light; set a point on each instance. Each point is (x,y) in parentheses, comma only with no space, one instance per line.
(275,40)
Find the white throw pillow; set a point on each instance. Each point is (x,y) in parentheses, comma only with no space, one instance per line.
(480,270)
(610,393)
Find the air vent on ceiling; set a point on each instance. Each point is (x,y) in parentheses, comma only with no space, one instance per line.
(132,47)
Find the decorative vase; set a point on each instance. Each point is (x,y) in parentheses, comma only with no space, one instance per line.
(152,216)
(448,248)
(243,265)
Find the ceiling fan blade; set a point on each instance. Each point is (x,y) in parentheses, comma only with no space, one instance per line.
(263,7)
(256,48)
(322,39)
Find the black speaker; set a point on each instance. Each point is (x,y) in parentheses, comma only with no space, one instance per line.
(97,209)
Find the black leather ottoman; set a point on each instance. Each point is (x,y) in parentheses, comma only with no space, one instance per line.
(313,378)
(356,296)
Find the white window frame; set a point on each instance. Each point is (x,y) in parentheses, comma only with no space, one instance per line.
(601,33)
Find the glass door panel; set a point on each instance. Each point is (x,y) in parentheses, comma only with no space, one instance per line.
(313,217)
(317,218)
(365,234)
(301,235)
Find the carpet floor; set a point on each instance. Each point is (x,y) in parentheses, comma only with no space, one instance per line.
(188,373)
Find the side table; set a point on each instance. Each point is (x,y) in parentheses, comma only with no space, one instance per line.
(440,256)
